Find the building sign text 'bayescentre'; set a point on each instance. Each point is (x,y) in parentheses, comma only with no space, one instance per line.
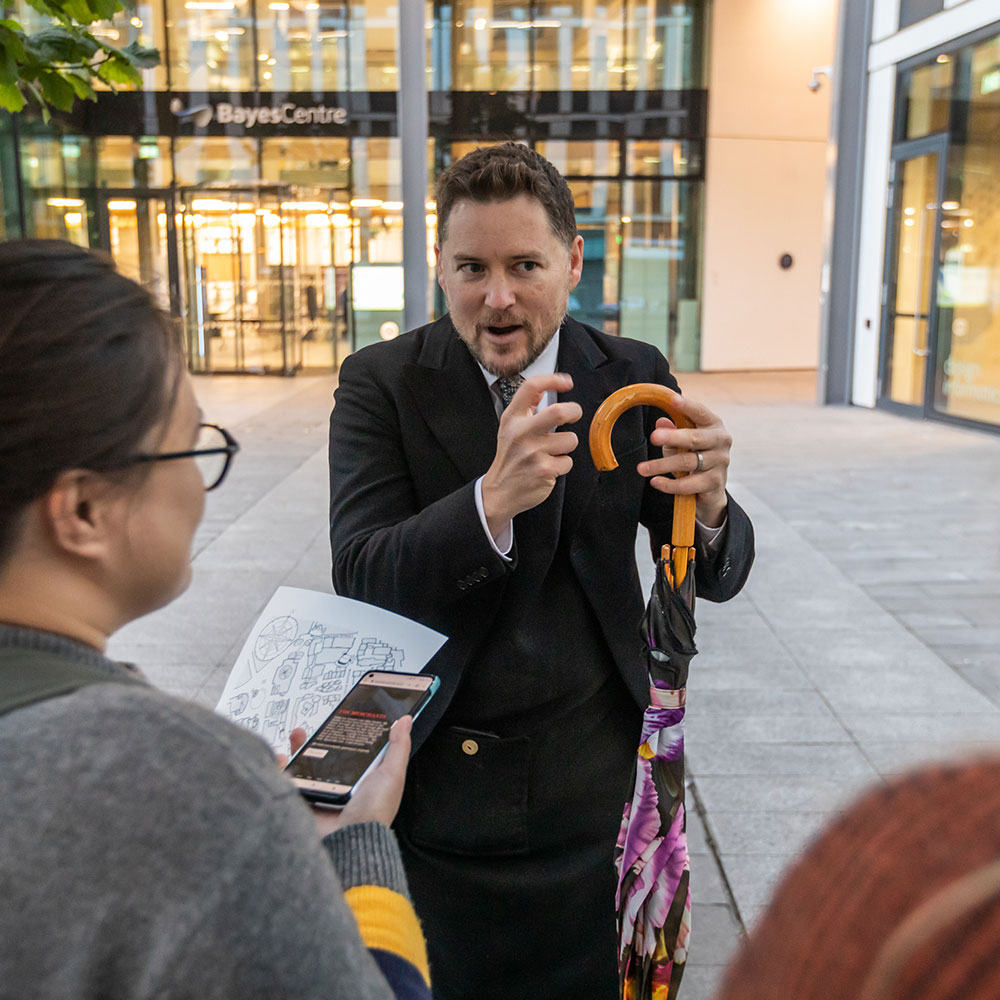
(284,114)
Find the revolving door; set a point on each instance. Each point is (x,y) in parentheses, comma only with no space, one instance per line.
(262,289)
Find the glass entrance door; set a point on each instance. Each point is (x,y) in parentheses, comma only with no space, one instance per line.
(138,230)
(261,288)
(911,273)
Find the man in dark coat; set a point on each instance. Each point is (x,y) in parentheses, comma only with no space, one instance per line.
(461,496)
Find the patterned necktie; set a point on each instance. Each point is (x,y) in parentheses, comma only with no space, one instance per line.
(506,387)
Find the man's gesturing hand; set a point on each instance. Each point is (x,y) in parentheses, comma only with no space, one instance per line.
(530,458)
(709,438)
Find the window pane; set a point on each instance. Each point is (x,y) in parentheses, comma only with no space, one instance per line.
(56,173)
(597,158)
(211,45)
(125,162)
(374,32)
(302,46)
(665,46)
(911,11)
(490,45)
(968,348)
(926,92)
(142,23)
(212,159)
(661,222)
(598,214)
(663,157)
(576,44)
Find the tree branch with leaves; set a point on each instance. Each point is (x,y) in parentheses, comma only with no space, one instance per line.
(60,63)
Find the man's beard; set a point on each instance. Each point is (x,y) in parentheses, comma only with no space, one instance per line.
(533,347)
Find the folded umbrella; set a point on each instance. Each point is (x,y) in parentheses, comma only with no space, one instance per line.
(653,898)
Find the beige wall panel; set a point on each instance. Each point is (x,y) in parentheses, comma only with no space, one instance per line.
(765,198)
(763,53)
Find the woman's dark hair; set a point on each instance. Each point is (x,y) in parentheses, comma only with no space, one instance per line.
(88,367)
(499,173)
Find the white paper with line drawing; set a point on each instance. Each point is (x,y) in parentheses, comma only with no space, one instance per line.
(306,651)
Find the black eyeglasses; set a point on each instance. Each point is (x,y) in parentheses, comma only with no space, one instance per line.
(213,454)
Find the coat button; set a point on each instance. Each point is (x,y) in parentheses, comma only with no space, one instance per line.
(470,747)
(462,585)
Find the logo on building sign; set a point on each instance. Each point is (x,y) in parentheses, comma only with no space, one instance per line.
(284,114)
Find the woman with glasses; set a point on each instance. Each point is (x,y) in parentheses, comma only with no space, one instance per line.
(148,848)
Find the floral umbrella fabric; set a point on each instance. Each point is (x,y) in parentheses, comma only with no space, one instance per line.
(653,898)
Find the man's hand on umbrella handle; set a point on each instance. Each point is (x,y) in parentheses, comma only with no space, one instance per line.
(378,796)
(681,448)
(531,455)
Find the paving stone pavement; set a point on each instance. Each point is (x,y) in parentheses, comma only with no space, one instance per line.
(865,641)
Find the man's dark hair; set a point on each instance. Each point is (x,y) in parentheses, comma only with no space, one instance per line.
(89,365)
(499,173)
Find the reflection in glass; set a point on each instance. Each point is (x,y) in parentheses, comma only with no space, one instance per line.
(211,45)
(374,35)
(908,320)
(927,92)
(302,46)
(576,46)
(660,301)
(967,380)
(124,162)
(57,174)
(595,298)
(201,159)
(663,157)
(301,160)
(581,158)
(490,45)
(138,236)
(666,44)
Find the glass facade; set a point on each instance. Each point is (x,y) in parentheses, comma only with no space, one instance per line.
(255,182)
(941,339)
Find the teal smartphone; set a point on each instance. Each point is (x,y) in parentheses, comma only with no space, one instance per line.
(349,744)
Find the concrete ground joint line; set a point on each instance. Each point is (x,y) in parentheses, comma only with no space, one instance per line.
(253,509)
(691,791)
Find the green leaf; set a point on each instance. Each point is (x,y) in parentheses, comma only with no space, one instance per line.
(57,45)
(12,41)
(119,70)
(81,86)
(11,99)
(57,91)
(141,55)
(8,68)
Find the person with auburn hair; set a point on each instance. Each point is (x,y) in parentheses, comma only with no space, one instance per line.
(898,899)
(150,848)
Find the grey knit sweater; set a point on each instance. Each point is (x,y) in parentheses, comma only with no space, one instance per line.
(149,848)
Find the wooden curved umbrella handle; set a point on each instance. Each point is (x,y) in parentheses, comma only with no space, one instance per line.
(646,394)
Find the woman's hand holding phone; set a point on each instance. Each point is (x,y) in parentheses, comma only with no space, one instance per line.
(378,796)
